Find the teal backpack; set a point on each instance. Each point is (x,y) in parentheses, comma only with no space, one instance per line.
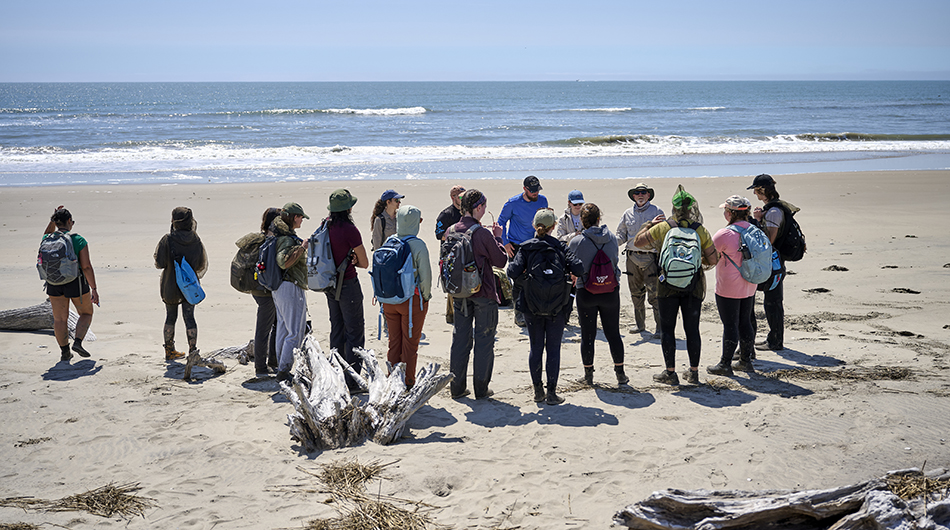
(681,257)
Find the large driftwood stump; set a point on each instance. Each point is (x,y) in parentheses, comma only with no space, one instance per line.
(39,316)
(195,359)
(867,505)
(241,353)
(327,417)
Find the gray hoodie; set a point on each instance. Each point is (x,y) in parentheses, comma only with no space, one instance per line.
(407,224)
(585,246)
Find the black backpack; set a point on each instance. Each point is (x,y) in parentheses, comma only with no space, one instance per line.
(547,283)
(790,241)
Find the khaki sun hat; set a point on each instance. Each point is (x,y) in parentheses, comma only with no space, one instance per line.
(639,188)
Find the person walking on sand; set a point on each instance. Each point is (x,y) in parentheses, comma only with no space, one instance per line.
(347,326)
(772,221)
(82,291)
(598,291)
(515,220)
(383,220)
(734,295)
(403,344)
(265,328)
(290,298)
(544,266)
(476,317)
(180,243)
(448,217)
(671,299)
(641,264)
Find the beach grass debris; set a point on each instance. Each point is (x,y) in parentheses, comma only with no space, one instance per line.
(579,385)
(916,485)
(835,268)
(106,501)
(31,441)
(18,526)
(860,373)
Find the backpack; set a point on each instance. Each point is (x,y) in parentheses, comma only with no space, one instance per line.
(756,253)
(321,269)
(681,257)
(269,274)
(602,277)
(776,273)
(393,274)
(547,284)
(188,282)
(244,264)
(458,271)
(790,243)
(56,260)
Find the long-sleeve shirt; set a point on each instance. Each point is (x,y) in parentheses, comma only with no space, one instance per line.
(631,222)
(489,252)
(516,217)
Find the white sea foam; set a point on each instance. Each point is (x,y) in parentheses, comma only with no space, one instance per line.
(408,111)
(605,109)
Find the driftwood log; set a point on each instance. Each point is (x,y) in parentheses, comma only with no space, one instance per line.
(39,316)
(867,505)
(241,353)
(327,417)
(194,359)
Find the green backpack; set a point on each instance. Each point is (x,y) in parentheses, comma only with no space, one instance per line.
(681,257)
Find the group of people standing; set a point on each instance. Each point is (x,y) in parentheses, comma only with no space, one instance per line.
(527,233)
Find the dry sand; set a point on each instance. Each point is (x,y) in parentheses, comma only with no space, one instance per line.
(216,452)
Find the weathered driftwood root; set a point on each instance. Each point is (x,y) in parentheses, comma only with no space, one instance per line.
(327,417)
(241,353)
(865,505)
(195,359)
(39,316)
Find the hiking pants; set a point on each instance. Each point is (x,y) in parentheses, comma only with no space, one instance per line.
(290,301)
(608,305)
(774,305)
(690,307)
(476,320)
(641,279)
(347,328)
(402,347)
(545,333)
(265,333)
(736,316)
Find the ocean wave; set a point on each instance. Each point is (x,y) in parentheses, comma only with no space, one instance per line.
(603,109)
(400,111)
(706,108)
(866,137)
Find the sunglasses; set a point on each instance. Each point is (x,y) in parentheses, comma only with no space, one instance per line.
(641,192)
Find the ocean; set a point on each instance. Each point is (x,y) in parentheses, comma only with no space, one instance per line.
(116,133)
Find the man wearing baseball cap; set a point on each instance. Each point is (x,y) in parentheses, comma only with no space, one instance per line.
(515,219)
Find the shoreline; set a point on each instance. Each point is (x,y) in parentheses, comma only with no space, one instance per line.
(218,450)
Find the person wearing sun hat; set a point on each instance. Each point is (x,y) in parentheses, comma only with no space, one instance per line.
(734,295)
(544,332)
(347,325)
(685,214)
(641,263)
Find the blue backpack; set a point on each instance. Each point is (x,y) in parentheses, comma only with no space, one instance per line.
(269,274)
(393,273)
(188,282)
(756,266)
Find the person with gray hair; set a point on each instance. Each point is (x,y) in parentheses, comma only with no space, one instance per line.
(641,263)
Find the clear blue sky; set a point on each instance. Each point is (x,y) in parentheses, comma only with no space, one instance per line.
(446,40)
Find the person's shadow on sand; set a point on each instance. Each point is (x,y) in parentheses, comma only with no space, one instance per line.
(801,357)
(63,371)
(176,370)
(493,413)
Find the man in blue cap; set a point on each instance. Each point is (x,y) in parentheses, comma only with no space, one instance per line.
(515,219)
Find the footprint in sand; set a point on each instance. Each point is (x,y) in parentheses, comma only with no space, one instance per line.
(904,290)
(817,290)
(835,268)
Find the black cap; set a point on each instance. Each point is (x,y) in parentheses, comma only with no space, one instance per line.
(762,181)
(532,183)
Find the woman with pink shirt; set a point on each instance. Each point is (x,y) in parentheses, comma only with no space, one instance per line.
(735,297)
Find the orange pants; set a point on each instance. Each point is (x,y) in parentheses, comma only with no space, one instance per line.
(402,347)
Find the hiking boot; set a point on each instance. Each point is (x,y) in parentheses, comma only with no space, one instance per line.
(720,368)
(461,394)
(667,377)
(487,395)
(65,354)
(765,346)
(538,392)
(691,376)
(743,366)
(589,375)
(519,320)
(77,347)
(283,375)
(171,354)
(636,329)
(552,398)
(622,378)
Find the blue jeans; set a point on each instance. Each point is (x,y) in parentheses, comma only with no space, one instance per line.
(291,304)
(476,320)
(545,333)
(347,327)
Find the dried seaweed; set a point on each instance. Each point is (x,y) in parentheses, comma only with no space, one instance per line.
(18,526)
(871,373)
(917,485)
(106,501)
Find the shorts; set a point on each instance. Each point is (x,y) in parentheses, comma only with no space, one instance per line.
(73,289)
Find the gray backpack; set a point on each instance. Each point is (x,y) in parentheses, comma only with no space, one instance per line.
(57,261)
(458,271)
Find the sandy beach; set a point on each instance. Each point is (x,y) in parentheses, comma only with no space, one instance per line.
(216,452)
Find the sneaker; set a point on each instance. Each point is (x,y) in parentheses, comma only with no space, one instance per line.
(636,329)
(743,366)
(77,347)
(720,368)
(667,377)
(283,375)
(691,376)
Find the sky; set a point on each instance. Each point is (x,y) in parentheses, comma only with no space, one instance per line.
(445,40)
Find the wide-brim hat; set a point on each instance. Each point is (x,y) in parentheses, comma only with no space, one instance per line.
(341,201)
(641,187)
